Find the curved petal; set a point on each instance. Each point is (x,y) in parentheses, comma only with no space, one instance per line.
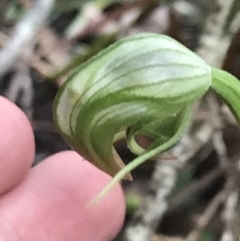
(142,83)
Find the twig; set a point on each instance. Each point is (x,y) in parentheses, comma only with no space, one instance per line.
(230,193)
(100,22)
(21,89)
(214,34)
(206,216)
(32,59)
(161,185)
(24,33)
(194,189)
(47,126)
(230,215)
(217,135)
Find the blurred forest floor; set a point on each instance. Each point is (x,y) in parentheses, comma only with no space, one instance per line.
(193,192)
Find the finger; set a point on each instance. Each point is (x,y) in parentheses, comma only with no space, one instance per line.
(16,145)
(51,203)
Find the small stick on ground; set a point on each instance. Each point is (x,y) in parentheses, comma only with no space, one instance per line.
(206,216)
(24,33)
(21,88)
(217,125)
(230,215)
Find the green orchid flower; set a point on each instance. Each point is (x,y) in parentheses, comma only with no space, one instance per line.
(143,85)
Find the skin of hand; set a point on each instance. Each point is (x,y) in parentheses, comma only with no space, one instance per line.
(48,202)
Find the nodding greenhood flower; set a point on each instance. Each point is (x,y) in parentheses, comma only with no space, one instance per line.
(143,85)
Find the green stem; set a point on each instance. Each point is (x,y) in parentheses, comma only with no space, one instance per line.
(228,87)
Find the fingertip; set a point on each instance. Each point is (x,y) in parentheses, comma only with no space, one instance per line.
(16,145)
(84,182)
(51,203)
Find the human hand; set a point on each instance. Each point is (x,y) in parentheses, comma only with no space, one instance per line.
(48,202)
